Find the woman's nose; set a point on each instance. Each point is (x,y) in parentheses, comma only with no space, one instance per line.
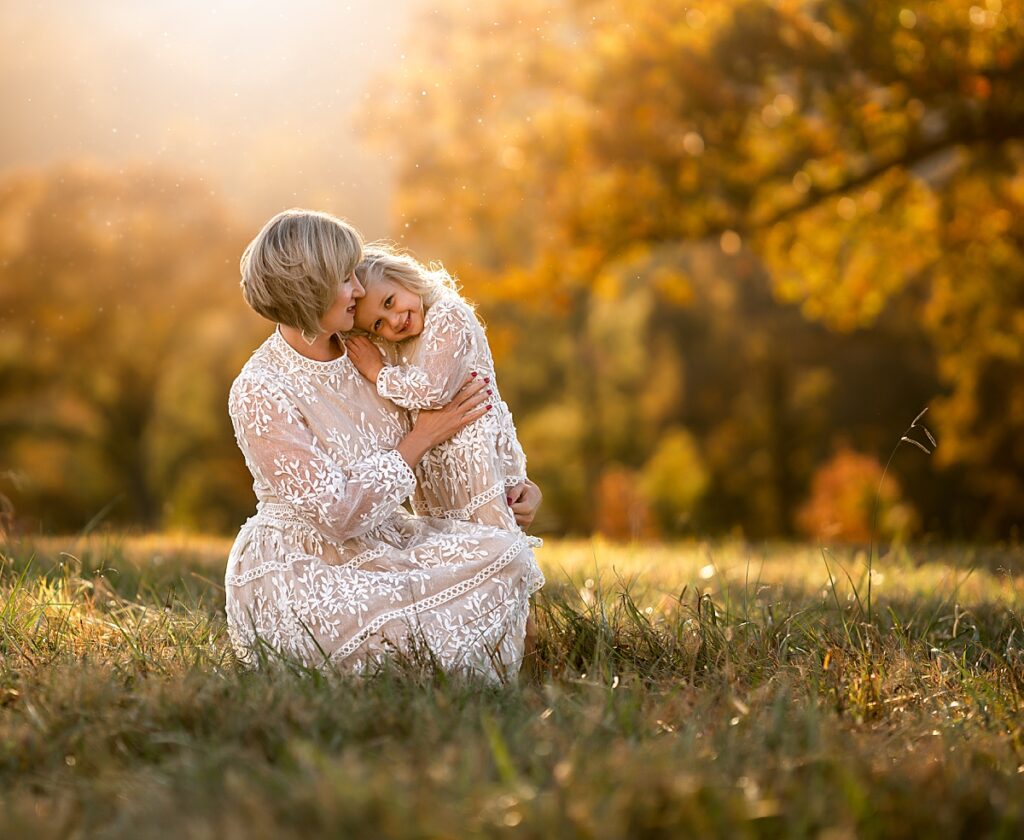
(358,290)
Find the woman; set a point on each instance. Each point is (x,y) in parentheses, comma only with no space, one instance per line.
(332,569)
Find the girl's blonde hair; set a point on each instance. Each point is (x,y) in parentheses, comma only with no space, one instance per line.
(381,259)
(293,269)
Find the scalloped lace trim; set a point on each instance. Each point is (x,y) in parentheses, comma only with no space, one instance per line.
(285,565)
(294,357)
(273,513)
(534,582)
(477,501)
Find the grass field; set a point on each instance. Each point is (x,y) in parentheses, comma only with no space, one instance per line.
(718,689)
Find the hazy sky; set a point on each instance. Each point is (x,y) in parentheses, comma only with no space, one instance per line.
(255,96)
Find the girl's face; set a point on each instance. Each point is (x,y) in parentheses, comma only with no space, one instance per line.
(391,311)
(341,316)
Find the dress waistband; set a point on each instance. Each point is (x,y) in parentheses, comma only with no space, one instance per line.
(280,510)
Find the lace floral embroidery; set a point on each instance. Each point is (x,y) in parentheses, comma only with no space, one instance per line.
(459,478)
(332,569)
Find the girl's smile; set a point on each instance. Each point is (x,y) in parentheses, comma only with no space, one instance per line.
(390,310)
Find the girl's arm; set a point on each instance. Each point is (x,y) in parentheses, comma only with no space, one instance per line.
(510,450)
(342,500)
(444,356)
(365,355)
(525,499)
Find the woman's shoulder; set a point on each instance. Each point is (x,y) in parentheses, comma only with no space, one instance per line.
(260,401)
(261,377)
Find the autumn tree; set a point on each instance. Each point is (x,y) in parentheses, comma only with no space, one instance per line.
(869,153)
(121,329)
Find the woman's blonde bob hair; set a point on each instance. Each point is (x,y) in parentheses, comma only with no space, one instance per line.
(293,269)
(382,259)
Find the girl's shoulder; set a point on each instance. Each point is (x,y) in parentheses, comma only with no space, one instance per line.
(451,310)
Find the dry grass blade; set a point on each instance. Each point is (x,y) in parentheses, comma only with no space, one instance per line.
(919,445)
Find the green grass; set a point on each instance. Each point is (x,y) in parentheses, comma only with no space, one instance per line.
(694,689)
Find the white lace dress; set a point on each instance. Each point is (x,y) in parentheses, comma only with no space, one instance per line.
(465,477)
(332,569)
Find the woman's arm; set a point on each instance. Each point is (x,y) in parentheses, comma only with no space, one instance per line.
(342,500)
(432,426)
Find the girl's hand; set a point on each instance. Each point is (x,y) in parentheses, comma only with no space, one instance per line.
(435,426)
(524,499)
(365,356)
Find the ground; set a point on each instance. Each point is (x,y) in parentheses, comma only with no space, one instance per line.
(705,689)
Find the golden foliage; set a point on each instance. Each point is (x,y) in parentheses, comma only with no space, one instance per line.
(844,495)
(674,479)
(114,292)
(869,154)
(623,512)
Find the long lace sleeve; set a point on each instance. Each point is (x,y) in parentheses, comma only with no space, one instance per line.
(510,450)
(441,362)
(283,454)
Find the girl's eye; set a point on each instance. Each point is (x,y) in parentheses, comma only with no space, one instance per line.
(387,303)
(376,325)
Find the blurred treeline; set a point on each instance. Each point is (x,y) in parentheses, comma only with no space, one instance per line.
(726,253)
(121,329)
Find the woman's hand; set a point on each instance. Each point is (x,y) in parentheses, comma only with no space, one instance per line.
(524,499)
(365,356)
(434,426)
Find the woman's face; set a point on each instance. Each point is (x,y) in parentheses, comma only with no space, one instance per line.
(391,311)
(341,316)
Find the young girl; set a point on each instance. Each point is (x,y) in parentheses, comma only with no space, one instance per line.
(434,343)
